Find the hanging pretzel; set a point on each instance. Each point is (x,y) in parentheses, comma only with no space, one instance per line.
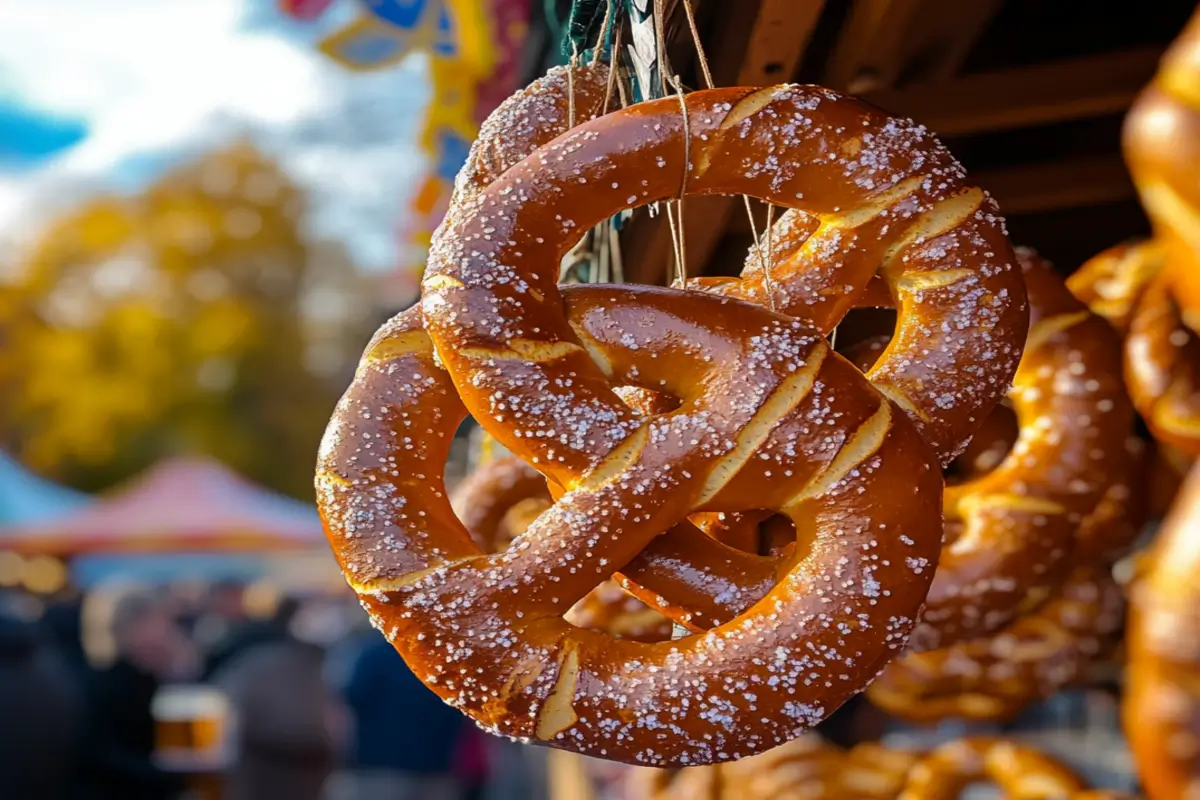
(1020,772)
(996,678)
(1011,530)
(807,768)
(1162,690)
(1162,148)
(541,705)
(1112,283)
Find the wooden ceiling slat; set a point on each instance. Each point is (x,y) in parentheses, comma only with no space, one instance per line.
(1094,180)
(1027,96)
(779,32)
(886,41)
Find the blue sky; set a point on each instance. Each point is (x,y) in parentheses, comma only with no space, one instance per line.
(107,94)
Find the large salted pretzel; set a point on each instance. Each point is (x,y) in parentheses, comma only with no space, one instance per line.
(1162,148)
(1021,772)
(1162,684)
(1012,528)
(767,418)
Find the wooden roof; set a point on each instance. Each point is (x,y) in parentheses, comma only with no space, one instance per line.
(1029,94)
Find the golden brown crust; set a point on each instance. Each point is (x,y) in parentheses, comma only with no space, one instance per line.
(995,678)
(1019,771)
(1064,483)
(912,232)
(1112,283)
(488,495)
(1162,688)
(750,381)
(1162,148)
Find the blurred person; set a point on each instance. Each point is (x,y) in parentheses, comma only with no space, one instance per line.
(244,633)
(147,648)
(288,725)
(41,710)
(406,740)
(63,622)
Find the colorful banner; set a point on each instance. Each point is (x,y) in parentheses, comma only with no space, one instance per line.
(304,9)
(366,45)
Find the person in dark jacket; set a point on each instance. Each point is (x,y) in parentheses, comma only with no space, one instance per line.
(405,738)
(40,708)
(119,730)
(287,722)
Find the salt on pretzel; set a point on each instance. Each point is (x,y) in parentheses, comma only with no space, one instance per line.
(1011,530)
(486,632)
(1162,685)
(500,500)
(1162,148)
(911,238)
(751,385)
(955,247)
(996,678)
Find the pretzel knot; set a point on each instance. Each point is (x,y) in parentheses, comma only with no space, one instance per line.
(1012,530)
(500,500)
(1019,771)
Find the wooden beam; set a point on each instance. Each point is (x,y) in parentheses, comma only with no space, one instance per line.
(1034,188)
(781,33)
(884,42)
(777,32)
(1024,97)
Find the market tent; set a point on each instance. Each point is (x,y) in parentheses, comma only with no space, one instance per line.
(186,504)
(26,499)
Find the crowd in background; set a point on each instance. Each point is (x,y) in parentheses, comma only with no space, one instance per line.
(319,704)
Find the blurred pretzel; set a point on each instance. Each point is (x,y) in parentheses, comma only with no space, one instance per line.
(1162,688)
(486,498)
(1020,772)
(1012,526)
(996,678)
(1162,148)
(1112,283)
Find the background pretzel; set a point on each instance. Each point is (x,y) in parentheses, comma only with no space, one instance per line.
(1162,148)
(1021,772)
(1011,530)
(998,677)
(486,498)
(1162,689)
(1112,283)
(807,768)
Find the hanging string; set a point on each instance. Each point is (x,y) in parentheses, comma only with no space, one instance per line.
(678,232)
(691,19)
(603,35)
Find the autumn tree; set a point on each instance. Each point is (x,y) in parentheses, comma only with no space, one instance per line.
(194,318)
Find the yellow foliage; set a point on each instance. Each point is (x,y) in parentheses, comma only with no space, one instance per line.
(139,327)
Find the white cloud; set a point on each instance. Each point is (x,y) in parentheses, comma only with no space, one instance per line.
(160,79)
